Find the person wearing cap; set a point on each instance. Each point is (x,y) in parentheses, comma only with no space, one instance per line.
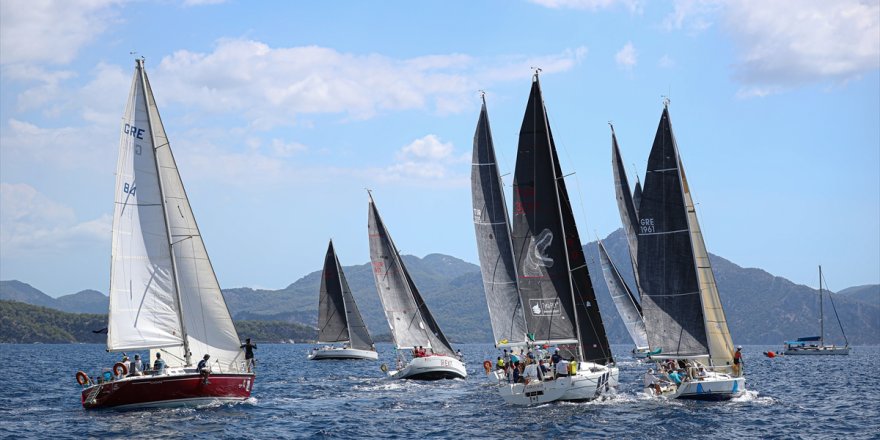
(737,361)
(652,382)
(203,369)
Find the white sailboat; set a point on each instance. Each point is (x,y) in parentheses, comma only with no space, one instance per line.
(164,295)
(423,352)
(683,314)
(537,286)
(815,345)
(339,320)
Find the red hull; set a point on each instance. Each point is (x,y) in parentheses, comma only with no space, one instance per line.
(168,390)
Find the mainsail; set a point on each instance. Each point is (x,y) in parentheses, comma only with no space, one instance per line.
(673,267)
(493,240)
(163,290)
(408,316)
(624,300)
(560,304)
(338,317)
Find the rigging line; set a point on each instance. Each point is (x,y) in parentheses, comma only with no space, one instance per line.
(831,298)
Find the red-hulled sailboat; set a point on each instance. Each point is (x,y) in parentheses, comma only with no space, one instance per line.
(164,295)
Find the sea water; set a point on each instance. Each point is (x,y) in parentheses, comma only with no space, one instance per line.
(788,397)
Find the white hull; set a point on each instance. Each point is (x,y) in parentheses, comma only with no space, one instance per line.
(431,368)
(589,383)
(824,350)
(342,353)
(715,386)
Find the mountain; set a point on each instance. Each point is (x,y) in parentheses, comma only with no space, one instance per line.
(760,308)
(86,301)
(22,323)
(869,294)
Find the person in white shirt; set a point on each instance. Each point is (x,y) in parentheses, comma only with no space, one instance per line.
(562,368)
(137,367)
(652,382)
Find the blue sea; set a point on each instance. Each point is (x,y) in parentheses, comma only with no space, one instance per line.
(788,397)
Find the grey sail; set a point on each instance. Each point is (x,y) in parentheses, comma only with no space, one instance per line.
(671,298)
(493,240)
(408,317)
(628,217)
(359,336)
(557,296)
(624,300)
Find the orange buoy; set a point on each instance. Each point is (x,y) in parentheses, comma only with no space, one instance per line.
(82,378)
(120,369)
(487,366)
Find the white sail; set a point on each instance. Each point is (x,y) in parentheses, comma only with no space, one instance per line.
(717,333)
(143,311)
(205,319)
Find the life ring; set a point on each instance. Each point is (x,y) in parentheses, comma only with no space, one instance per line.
(487,366)
(82,378)
(120,369)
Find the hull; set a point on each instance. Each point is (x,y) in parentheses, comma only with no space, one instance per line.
(431,368)
(328,353)
(714,387)
(183,389)
(824,350)
(590,382)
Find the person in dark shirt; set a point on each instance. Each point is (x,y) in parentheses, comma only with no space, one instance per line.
(203,369)
(159,364)
(249,354)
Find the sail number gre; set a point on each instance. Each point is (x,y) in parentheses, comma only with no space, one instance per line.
(133,131)
(647,225)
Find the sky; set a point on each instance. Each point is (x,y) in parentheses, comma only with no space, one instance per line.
(280,114)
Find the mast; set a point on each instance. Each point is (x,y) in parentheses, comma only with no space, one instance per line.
(178,302)
(821,311)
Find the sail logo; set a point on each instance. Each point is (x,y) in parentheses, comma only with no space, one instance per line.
(545,307)
(646,225)
(537,255)
(133,131)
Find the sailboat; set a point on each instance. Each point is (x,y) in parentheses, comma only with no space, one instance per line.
(423,352)
(164,295)
(555,293)
(683,314)
(338,317)
(624,300)
(811,345)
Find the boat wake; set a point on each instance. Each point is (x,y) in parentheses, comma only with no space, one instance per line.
(752,396)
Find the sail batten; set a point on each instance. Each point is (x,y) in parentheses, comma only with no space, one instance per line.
(492,230)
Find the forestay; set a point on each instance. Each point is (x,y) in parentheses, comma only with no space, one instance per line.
(493,240)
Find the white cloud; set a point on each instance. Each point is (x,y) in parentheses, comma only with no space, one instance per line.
(50,31)
(627,57)
(695,16)
(665,62)
(32,223)
(273,86)
(591,5)
(426,158)
(783,45)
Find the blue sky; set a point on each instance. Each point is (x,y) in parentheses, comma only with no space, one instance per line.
(281,113)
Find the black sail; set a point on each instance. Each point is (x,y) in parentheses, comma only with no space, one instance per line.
(628,217)
(359,336)
(493,240)
(637,197)
(671,301)
(332,319)
(554,284)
